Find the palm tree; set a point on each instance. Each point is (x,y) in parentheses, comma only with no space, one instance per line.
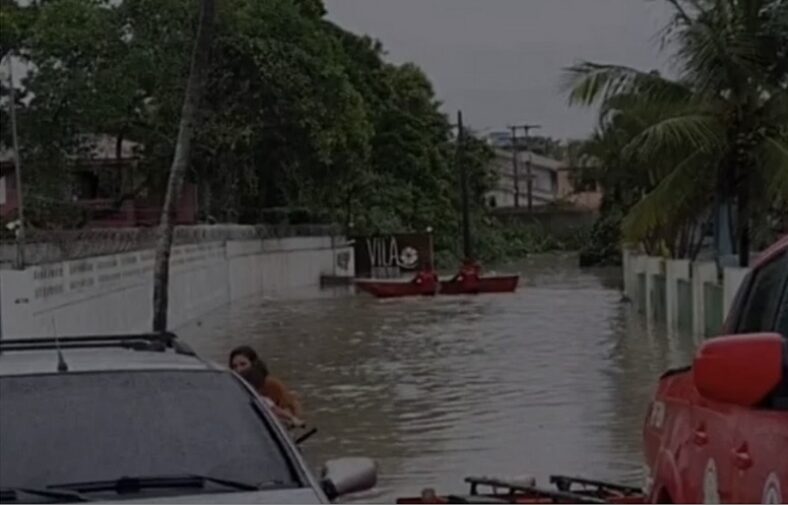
(718,132)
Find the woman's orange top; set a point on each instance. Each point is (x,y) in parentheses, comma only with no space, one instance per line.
(277,392)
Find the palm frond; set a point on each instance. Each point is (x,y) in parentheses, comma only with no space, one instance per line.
(587,83)
(723,49)
(654,102)
(692,130)
(680,195)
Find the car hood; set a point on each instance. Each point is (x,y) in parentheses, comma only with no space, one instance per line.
(285,496)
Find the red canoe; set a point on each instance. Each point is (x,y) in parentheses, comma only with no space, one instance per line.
(424,284)
(469,281)
(484,284)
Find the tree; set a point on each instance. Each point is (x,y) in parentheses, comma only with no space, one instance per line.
(180,162)
(297,115)
(715,134)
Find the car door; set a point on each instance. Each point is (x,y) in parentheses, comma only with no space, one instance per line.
(760,451)
(708,476)
(717,451)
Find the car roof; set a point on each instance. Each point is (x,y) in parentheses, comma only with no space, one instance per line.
(98,359)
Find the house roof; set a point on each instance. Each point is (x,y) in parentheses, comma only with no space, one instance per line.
(103,147)
(100,147)
(6,155)
(536,159)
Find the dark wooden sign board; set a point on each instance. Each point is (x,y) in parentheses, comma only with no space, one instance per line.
(387,256)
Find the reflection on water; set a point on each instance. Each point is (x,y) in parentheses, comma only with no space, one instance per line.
(552,379)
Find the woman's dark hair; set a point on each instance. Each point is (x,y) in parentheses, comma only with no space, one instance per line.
(244,351)
(255,374)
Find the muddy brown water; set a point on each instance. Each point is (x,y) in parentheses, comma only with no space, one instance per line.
(552,379)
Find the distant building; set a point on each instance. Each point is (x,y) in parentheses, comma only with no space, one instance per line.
(553,183)
(500,139)
(104,182)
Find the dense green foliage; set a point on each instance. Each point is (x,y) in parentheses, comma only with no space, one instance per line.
(299,113)
(668,151)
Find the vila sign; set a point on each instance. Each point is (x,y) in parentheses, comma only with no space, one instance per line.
(392,255)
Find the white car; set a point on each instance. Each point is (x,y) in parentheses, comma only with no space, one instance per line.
(142,418)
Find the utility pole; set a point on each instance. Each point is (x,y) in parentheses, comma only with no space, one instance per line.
(515,149)
(466,226)
(515,169)
(20,204)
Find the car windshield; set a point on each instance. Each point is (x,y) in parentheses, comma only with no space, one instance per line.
(87,427)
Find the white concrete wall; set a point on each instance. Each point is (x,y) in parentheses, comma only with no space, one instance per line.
(638,265)
(654,266)
(698,273)
(733,277)
(113,294)
(626,265)
(701,274)
(675,270)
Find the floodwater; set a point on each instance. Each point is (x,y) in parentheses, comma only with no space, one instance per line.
(552,379)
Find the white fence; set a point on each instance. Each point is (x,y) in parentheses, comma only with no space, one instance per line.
(113,293)
(47,246)
(688,297)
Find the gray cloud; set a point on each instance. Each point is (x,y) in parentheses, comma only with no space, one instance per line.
(501,60)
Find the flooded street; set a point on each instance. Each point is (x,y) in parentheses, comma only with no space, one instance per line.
(552,379)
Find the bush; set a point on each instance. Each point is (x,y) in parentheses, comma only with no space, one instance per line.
(603,247)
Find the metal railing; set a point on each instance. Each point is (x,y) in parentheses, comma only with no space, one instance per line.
(47,246)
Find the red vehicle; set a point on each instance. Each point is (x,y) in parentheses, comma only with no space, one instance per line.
(717,432)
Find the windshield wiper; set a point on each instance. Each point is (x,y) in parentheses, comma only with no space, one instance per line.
(11,494)
(135,484)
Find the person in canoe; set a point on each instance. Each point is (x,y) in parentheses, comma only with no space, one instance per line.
(245,362)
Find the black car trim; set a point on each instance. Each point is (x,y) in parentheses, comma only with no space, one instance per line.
(740,305)
(675,371)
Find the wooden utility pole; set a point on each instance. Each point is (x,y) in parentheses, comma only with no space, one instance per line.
(515,149)
(515,169)
(194,91)
(20,202)
(466,225)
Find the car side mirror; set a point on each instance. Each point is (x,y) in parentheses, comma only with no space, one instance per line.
(741,369)
(345,476)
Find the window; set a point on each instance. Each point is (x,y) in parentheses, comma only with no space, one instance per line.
(764,298)
(79,427)
(782,315)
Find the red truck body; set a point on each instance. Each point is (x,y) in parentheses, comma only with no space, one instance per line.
(717,432)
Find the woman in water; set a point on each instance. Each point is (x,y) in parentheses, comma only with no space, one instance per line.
(245,362)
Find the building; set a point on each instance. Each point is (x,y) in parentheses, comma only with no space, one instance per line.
(553,183)
(512,188)
(106,184)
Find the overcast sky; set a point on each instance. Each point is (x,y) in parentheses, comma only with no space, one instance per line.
(501,60)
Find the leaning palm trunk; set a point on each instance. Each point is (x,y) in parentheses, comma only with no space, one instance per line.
(194,91)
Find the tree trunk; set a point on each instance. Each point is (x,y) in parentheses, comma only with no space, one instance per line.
(744,219)
(180,162)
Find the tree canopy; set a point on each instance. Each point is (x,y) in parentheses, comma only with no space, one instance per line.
(298,112)
(670,150)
